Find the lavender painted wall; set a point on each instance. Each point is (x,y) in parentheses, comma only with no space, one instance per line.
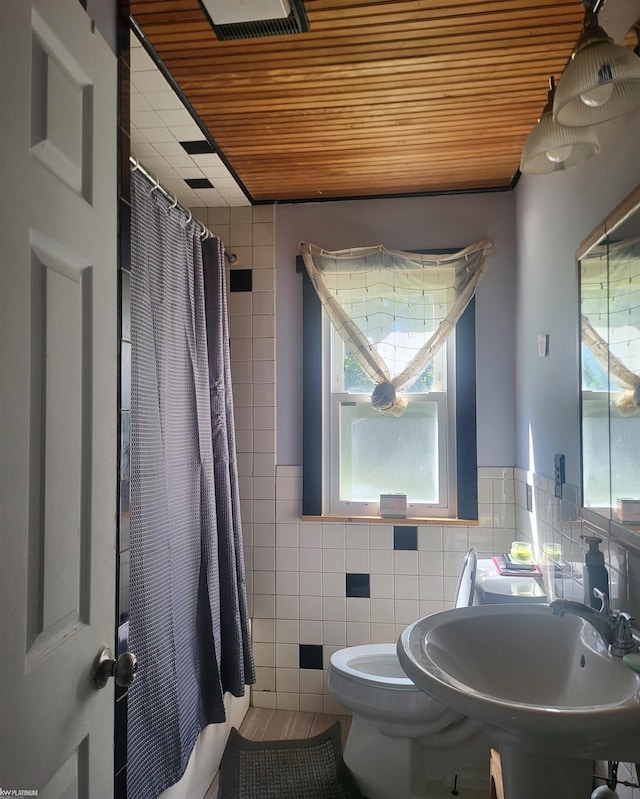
(406,223)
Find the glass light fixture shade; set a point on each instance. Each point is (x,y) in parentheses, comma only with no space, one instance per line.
(552,148)
(600,82)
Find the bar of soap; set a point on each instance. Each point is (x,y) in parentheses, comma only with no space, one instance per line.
(632,660)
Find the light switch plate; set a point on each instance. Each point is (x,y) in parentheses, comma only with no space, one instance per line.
(543,344)
(529,494)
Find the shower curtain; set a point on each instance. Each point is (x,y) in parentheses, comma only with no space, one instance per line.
(232,614)
(188,621)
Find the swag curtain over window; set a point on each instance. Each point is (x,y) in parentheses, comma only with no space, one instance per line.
(188,622)
(394,309)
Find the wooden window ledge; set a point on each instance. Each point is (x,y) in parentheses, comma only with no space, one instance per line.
(413,520)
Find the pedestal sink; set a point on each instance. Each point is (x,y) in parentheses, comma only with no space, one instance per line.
(545,689)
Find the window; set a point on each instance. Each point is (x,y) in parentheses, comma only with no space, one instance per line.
(352,453)
(367,453)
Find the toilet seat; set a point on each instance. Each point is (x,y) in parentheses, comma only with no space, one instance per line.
(373,664)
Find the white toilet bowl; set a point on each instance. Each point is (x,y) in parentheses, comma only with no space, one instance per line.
(403,744)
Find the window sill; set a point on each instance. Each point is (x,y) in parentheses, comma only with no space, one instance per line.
(413,520)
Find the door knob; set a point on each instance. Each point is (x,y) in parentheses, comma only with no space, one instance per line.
(123,669)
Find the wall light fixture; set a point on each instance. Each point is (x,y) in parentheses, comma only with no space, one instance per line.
(552,148)
(601,80)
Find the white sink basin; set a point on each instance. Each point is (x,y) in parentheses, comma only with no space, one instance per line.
(544,687)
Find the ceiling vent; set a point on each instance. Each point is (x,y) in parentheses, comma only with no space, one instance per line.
(254,19)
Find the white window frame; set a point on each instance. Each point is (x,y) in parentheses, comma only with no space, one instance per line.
(333,396)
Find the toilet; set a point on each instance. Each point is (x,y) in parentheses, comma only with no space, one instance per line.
(403,744)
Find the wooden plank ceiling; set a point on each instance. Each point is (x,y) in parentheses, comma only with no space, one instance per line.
(386,97)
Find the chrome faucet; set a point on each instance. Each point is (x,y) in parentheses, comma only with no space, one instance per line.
(616,627)
(627,638)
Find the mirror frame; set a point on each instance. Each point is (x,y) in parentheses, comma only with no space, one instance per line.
(612,221)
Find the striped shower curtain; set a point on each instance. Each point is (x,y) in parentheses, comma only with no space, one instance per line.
(188,621)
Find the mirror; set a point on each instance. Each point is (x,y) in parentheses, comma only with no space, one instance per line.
(609,271)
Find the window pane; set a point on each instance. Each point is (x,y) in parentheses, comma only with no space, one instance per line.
(383,455)
(594,376)
(424,382)
(604,430)
(595,451)
(355,381)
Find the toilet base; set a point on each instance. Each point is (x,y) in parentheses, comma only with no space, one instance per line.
(387,767)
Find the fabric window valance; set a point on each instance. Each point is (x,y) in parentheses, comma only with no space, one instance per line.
(393,309)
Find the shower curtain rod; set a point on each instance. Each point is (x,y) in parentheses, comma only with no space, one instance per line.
(157,186)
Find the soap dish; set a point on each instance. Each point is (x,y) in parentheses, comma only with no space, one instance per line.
(632,660)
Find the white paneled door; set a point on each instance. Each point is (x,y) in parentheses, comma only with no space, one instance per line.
(58,155)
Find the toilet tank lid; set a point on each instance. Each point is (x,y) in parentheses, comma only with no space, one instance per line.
(510,589)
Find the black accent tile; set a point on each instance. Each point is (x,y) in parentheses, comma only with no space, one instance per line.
(358,585)
(122,647)
(199,147)
(124,563)
(121,713)
(405,537)
(125,166)
(125,304)
(124,100)
(240,280)
(120,784)
(125,445)
(120,691)
(125,376)
(124,232)
(123,639)
(310,656)
(124,531)
(199,183)
(123,24)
